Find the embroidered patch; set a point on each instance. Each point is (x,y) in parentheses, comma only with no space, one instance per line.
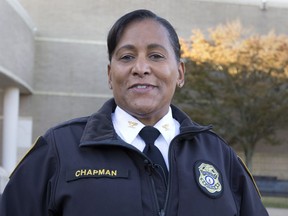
(208,179)
(72,175)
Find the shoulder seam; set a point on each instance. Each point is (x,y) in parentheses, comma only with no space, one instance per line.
(80,120)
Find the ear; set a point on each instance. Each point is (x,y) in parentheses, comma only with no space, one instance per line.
(109,76)
(181,74)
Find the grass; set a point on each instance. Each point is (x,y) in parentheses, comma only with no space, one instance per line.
(275,202)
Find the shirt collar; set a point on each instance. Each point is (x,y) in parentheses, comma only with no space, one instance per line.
(168,126)
(128,127)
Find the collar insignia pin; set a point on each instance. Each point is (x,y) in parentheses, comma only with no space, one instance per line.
(132,124)
(166,127)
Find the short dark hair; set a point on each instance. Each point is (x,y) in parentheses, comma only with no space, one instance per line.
(117,29)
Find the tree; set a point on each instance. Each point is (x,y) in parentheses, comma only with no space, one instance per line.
(238,81)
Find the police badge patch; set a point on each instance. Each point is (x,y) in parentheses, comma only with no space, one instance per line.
(208,179)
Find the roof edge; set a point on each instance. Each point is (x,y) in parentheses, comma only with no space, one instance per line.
(24,86)
(23,14)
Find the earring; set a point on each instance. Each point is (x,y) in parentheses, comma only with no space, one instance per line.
(180,84)
(110,86)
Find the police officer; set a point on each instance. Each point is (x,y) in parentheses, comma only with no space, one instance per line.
(111,164)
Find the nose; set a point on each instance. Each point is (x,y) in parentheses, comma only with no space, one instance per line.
(141,67)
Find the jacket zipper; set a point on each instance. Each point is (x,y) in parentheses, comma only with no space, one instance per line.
(163,211)
(159,211)
(149,167)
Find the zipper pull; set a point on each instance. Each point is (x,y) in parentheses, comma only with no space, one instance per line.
(162,212)
(148,166)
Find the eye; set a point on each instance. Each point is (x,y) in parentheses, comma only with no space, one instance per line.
(126,58)
(156,56)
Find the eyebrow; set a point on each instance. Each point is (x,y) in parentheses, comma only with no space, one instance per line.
(128,47)
(155,45)
(149,47)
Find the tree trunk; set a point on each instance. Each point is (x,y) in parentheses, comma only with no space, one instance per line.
(249,152)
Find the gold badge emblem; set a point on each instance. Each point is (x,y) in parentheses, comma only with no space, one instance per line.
(209,178)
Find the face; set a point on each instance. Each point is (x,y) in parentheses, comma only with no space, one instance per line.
(144,72)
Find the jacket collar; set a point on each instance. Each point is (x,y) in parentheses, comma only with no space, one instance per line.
(99,126)
(99,129)
(186,124)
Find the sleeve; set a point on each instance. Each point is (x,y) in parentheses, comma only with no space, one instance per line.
(247,196)
(29,189)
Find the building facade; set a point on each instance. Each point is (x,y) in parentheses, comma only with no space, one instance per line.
(53,58)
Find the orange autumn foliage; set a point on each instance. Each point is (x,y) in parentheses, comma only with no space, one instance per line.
(231,46)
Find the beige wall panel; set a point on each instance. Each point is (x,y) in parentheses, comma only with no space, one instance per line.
(50,110)
(71,68)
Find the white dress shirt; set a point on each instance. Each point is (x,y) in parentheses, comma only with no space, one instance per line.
(127,127)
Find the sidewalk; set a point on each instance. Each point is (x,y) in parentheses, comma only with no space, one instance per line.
(277,212)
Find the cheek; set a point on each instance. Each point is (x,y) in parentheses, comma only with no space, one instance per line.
(170,81)
(118,74)
(115,77)
(119,84)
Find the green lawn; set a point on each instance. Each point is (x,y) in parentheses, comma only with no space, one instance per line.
(275,202)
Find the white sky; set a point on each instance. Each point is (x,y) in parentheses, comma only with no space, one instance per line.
(272,3)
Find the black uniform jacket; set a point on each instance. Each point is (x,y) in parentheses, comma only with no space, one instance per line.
(82,168)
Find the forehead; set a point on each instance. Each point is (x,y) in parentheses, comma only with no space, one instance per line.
(145,31)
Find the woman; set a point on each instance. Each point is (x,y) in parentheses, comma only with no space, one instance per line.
(100,165)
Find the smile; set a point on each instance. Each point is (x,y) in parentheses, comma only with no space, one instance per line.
(141,86)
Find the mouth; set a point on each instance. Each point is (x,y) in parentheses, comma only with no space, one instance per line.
(142,86)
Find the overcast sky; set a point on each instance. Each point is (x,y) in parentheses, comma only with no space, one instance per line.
(277,3)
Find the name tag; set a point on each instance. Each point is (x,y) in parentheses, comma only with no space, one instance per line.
(72,175)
